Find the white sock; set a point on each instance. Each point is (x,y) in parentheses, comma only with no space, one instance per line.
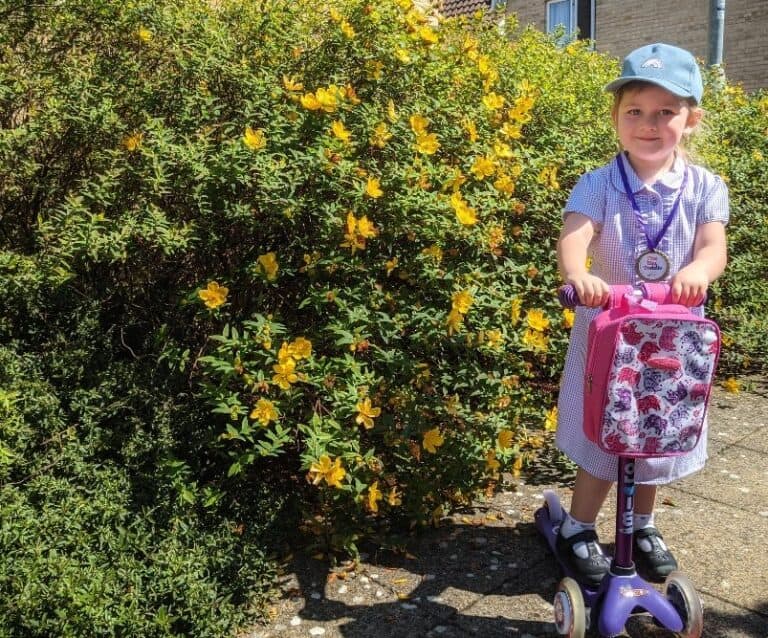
(571,527)
(641,521)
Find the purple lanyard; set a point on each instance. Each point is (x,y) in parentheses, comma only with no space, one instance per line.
(639,216)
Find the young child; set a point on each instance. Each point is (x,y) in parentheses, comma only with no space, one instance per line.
(648,215)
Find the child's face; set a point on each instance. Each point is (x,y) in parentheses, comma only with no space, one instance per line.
(650,121)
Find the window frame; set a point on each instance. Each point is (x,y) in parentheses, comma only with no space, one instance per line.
(581,25)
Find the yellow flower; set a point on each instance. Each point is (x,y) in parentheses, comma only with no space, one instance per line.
(418,124)
(381,135)
(403,55)
(434,251)
(264,411)
(471,129)
(515,306)
(732,385)
(301,348)
(353,240)
(502,150)
(328,98)
(366,413)
(332,473)
(213,295)
(144,34)
(493,101)
(548,177)
(485,65)
(537,320)
(254,138)
(432,440)
(285,373)
(393,498)
(517,466)
(373,188)
(483,167)
(391,112)
(365,228)
(428,35)
(550,422)
(454,321)
(335,15)
(504,439)
(494,338)
(267,263)
(491,462)
(340,131)
(347,29)
(374,69)
(512,131)
(504,184)
(461,301)
(427,144)
(132,142)
(464,212)
(536,340)
(310,102)
(374,496)
(568,317)
(291,83)
(390,265)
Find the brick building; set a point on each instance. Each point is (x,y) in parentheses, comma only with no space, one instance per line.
(619,26)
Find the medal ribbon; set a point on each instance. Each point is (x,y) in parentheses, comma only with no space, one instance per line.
(639,216)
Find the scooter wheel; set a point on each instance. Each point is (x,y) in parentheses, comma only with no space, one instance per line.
(569,608)
(553,505)
(683,597)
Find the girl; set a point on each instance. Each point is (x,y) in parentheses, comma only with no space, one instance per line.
(648,215)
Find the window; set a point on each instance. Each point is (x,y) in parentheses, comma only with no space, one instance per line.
(575,17)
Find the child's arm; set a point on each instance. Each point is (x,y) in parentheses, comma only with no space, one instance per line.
(572,260)
(710,254)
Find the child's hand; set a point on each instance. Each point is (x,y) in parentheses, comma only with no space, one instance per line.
(689,286)
(592,291)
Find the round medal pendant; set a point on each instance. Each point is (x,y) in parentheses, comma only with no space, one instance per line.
(652,265)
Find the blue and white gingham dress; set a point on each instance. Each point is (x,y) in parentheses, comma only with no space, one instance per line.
(618,241)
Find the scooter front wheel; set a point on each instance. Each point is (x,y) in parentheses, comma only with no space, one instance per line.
(684,598)
(569,608)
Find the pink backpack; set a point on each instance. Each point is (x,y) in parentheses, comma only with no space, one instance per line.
(649,372)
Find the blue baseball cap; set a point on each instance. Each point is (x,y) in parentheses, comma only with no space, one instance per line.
(667,66)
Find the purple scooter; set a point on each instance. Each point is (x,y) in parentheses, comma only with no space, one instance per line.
(622,591)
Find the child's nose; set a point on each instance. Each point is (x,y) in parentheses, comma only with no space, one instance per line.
(651,121)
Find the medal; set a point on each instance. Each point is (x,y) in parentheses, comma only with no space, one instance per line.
(652,264)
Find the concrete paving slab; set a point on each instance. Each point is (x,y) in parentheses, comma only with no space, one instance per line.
(486,572)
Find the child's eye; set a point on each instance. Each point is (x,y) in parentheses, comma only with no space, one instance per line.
(667,112)
(633,112)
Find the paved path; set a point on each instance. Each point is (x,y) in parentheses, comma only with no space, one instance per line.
(486,572)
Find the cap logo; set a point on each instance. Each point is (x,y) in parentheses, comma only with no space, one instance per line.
(652,63)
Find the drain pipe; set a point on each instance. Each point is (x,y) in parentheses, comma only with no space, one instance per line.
(716,32)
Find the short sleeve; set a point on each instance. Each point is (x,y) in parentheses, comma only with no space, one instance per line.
(588,197)
(713,202)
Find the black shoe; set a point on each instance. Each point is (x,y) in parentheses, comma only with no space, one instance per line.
(590,570)
(657,563)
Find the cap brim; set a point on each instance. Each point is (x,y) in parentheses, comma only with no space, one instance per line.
(672,88)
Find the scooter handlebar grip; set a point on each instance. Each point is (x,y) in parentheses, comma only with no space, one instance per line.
(567,296)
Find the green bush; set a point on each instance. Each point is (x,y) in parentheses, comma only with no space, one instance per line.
(735,147)
(263,248)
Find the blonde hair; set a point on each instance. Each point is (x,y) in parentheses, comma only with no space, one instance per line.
(683,148)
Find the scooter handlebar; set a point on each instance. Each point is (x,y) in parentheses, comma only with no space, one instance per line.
(657,292)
